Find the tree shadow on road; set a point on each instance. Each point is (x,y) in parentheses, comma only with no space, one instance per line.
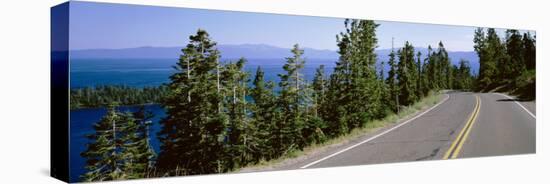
(513,100)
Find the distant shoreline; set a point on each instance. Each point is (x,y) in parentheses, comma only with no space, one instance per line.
(120,106)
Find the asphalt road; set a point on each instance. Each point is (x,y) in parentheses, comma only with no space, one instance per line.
(503,128)
(461,126)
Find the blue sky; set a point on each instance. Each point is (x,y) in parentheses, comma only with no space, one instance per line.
(98,25)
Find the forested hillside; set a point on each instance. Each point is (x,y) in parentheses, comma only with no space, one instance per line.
(102,96)
(507,65)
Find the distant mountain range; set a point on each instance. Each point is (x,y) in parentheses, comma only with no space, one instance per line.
(249,51)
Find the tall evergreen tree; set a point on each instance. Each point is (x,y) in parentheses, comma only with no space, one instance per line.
(355,77)
(264,115)
(462,76)
(486,68)
(497,51)
(490,51)
(384,90)
(424,76)
(319,87)
(338,89)
(291,102)
(366,56)
(529,51)
(313,129)
(525,84)
(138,154)
(391,81)
(432,70)
(102,158)
(194,127)
(241,136)
(119,148)
(443,67)
(515,52)
(406,75)
(419,76)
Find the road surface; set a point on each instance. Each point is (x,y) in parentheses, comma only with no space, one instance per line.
(463,125)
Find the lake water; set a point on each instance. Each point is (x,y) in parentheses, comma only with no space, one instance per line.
(154,72)
(140,73)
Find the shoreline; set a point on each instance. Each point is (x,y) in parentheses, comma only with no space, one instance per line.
(124,106)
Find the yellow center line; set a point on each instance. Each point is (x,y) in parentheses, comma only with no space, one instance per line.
(457,144)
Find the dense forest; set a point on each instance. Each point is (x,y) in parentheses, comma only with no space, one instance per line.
(506,65)
(101,96)
(216,122)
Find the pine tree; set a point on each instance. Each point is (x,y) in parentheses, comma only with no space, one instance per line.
(241,138)
(443,66)
(194,127)
(119,148)
(463,78)
(264,115)
(485,68)
(489,49)
(336,115)
(366,57)
(450,73)
(525,84)
(102,158)
(361,102)
(431,70)
(515,52)
(438,75)
(419,76)
(319,87)
(291,102)
(354,88)
(497,49)
(529,51)
(406,73)
(138,154)
(391,81)
(313,129)
(425,75)
(384,90)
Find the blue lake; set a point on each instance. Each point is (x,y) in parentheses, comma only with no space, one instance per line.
(140,73)
(154,72)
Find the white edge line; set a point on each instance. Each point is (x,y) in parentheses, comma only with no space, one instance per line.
(529,112)
(374,137)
